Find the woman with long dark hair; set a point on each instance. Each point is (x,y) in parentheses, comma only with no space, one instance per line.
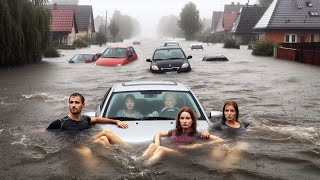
(184,133)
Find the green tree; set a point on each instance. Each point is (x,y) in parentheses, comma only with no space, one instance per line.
(189,21)
(265,2)
(24,31)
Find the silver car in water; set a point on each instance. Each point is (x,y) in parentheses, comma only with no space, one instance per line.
(149,103)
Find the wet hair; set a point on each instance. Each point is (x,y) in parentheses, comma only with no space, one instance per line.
(235,105)
(77,94)
(193,128)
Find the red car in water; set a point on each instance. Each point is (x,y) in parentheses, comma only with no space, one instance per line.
(117,56)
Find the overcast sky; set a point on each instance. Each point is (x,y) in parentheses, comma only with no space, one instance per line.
(148,12)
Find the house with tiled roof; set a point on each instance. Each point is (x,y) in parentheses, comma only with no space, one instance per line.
(84,18)
(242,29)
(216,21)
(229,16)
(63,26)
(291,21)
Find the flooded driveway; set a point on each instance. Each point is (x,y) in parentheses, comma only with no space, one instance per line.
(280,98)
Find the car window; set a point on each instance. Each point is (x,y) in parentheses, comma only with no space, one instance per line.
(168,54)
(114,53)
(82,57)
(149,102)
(130,52)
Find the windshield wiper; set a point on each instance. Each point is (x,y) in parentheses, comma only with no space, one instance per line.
(125,118)
(157,118)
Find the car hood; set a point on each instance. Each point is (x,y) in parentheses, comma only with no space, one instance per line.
(143,131)
(110,61)
(170,63)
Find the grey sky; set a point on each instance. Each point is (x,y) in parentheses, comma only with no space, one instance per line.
(148,12)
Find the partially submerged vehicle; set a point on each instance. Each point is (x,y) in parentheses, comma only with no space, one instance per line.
(196,46)
(149,100)
(84,58)
(215,58)
(169,59)
(117,56)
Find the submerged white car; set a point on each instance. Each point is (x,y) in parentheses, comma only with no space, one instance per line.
(151,116)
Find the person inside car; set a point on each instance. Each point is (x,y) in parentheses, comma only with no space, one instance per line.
(184,133)
(77,122)
(129,110)
(170,109)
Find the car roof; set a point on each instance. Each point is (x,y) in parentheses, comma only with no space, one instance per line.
(196,44)
(171,41)
(169,47)
(150,85)
(120,47)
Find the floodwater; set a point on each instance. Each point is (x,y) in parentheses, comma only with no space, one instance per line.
(280,98)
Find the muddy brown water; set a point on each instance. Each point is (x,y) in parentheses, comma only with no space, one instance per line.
(280,98)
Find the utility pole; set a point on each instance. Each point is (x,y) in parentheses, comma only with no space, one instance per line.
(106,25)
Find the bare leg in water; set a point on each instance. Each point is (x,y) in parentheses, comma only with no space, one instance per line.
(155,152)
(107,137)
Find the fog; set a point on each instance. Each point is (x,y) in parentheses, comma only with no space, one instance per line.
(148,12)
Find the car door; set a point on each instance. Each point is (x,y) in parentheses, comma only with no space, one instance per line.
(132,54)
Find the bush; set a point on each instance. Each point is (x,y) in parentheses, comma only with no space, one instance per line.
(263,48)
(80,43)
(51,52)
(231,43)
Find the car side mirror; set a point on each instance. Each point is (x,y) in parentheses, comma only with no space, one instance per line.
(99,55)
(71,61)
(130,55)
(148,60)
(214,116)
(189,57)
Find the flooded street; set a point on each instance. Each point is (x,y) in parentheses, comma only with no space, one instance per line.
(280,98)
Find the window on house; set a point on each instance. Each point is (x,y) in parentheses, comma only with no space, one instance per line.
(65,39)
(309,4)
(313,13)
(290,38)
(312,38)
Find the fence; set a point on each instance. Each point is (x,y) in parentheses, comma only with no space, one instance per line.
(308,53)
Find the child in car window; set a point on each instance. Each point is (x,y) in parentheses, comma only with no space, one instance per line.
(129,110)
(170,109)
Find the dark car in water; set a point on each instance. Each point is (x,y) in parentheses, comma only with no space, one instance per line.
(85,58)
(169,59)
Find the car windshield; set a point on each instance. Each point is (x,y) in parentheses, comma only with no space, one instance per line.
(162,54)
(150,105)
(114,53)
(82,57)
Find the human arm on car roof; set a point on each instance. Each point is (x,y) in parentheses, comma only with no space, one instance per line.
(110,121)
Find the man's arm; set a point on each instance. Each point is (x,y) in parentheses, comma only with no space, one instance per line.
(110,121)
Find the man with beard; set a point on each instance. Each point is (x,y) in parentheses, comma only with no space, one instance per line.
(77,122)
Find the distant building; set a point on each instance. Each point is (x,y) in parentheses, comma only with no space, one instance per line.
(83,18)
(63,26)
(291,21)
(242,28)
